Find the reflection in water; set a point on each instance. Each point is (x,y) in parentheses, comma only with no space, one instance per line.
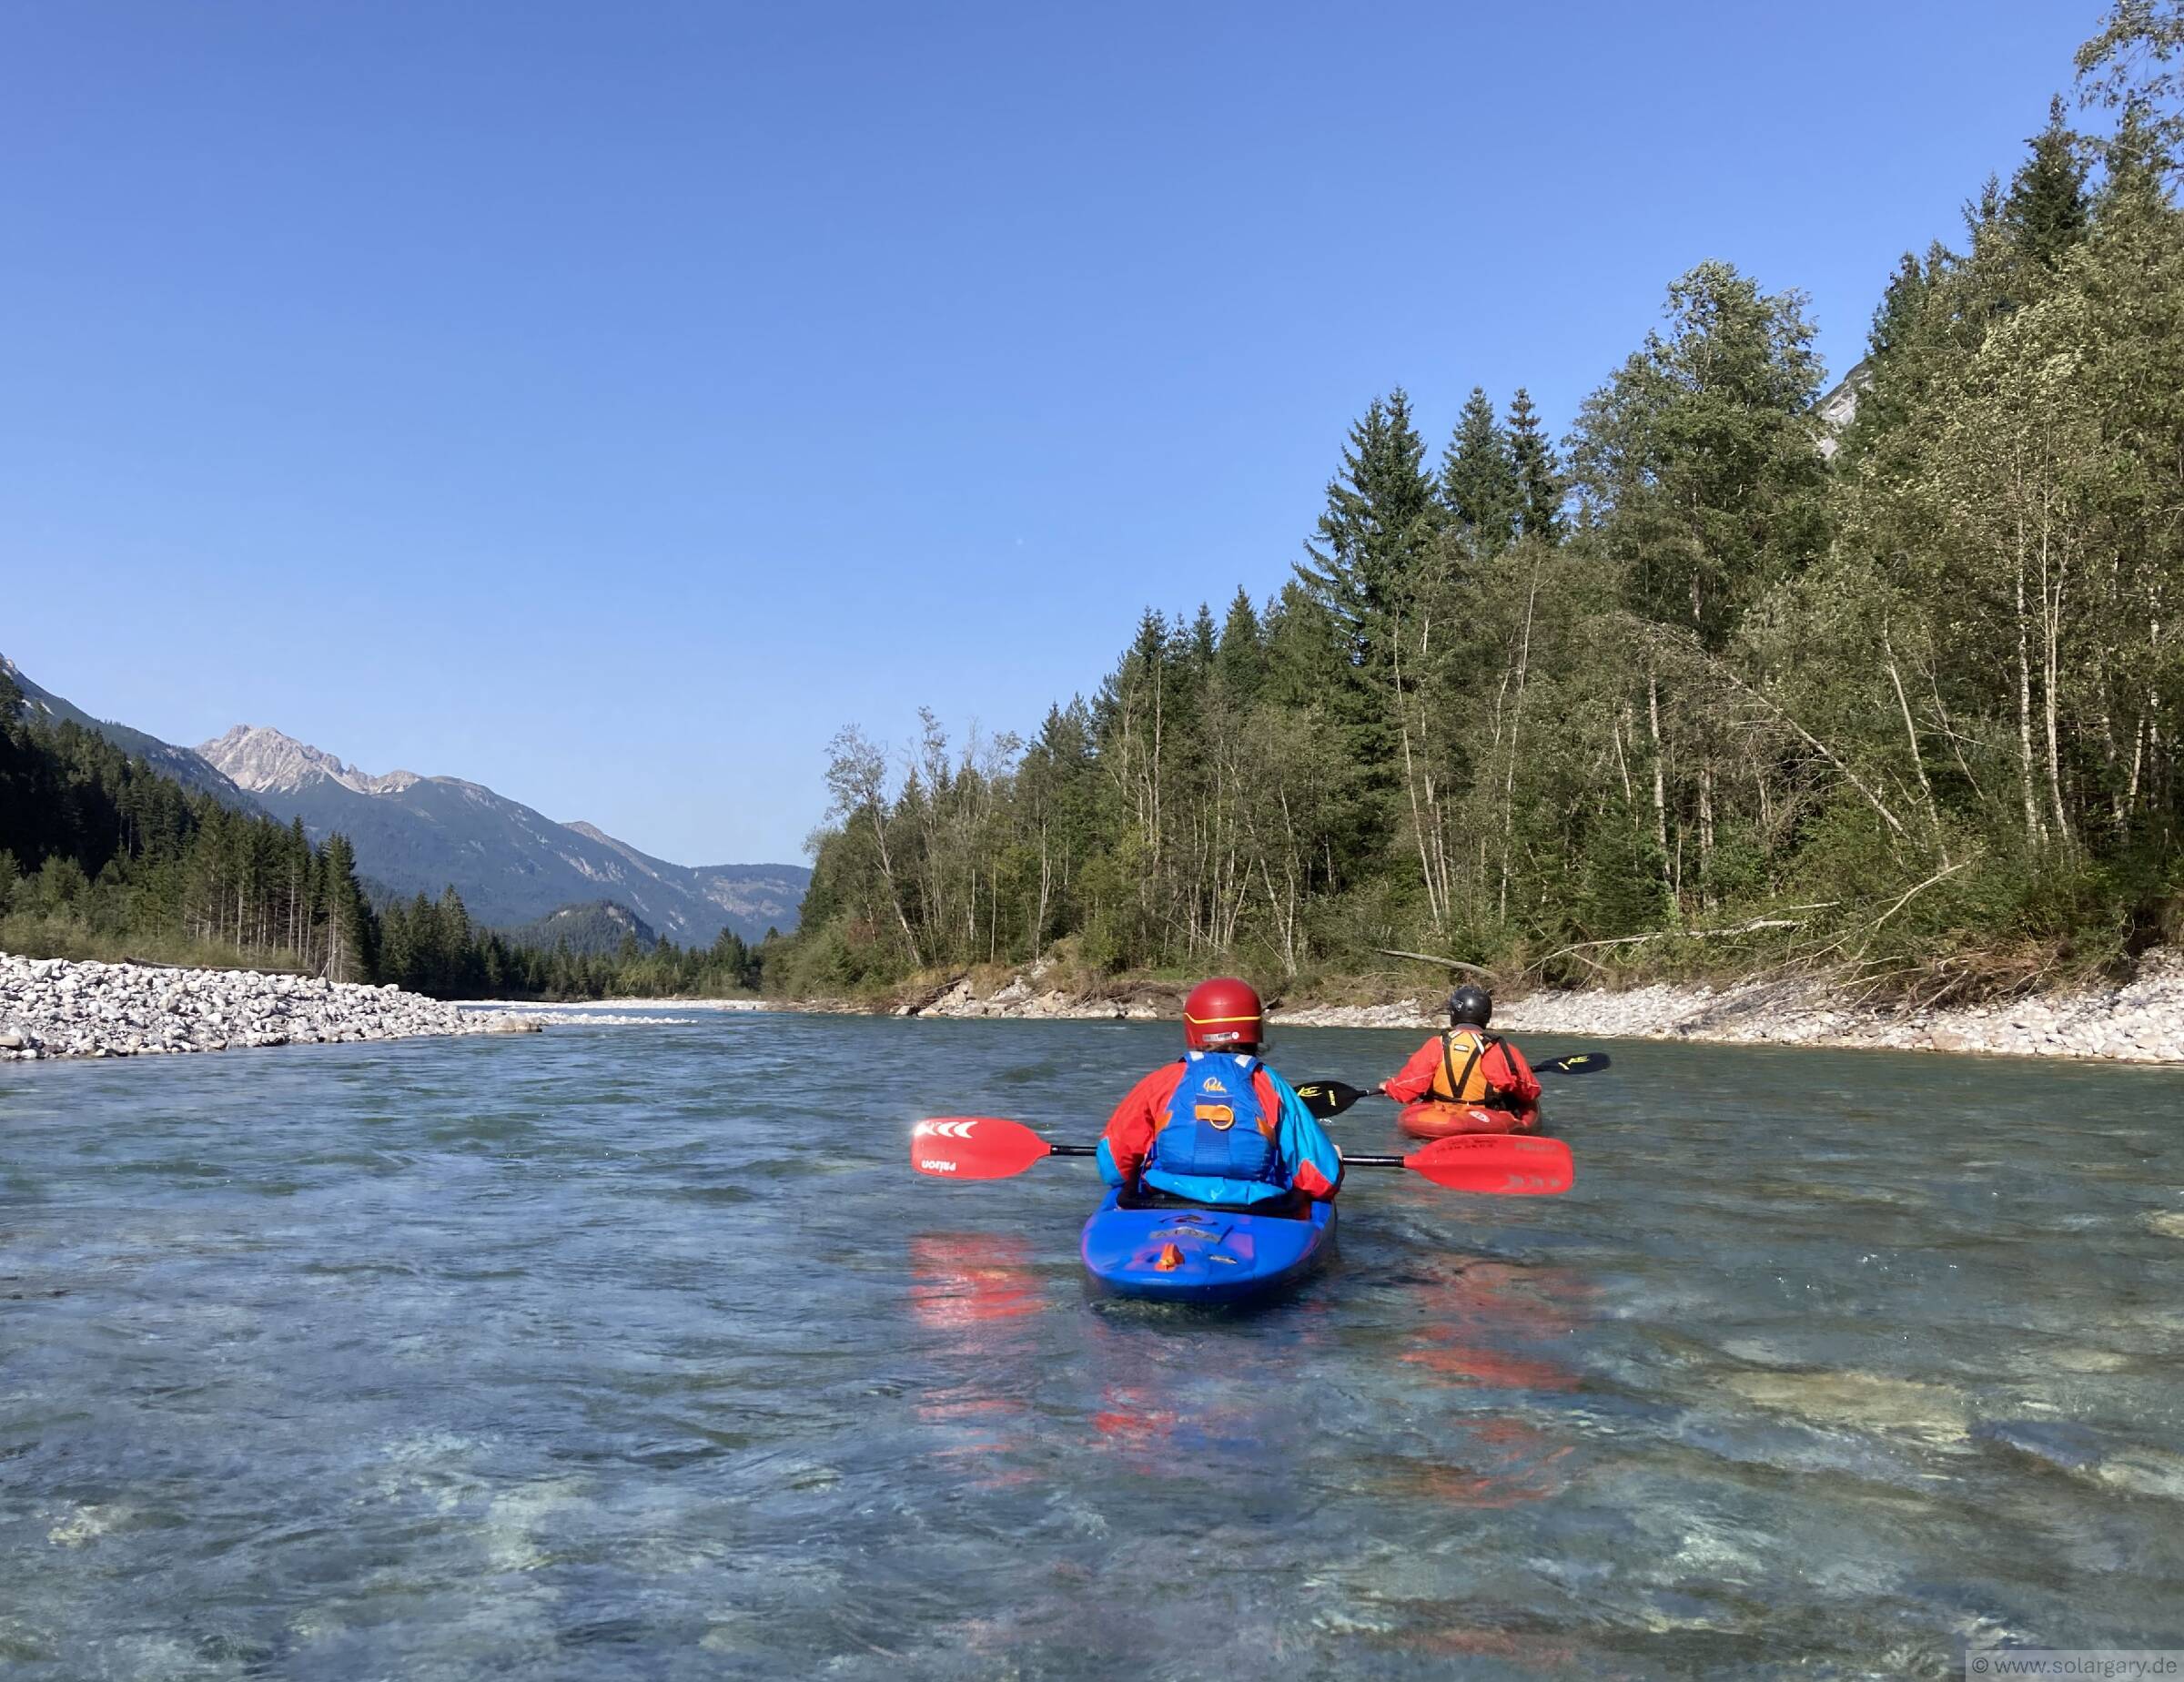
(1134,1425)
(976,1290)
(1494,1463)
(961,1280)
(1476,1312)
(1483,1326)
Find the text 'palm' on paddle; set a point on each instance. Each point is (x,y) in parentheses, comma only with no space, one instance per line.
(1500,1165)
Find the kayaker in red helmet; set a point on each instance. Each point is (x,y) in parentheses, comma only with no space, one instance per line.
(1219,1125)
(1466,1079)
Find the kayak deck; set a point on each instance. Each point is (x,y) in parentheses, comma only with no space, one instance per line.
(1182,1253)
(1432,1119)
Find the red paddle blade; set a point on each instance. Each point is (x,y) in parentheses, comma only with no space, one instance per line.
(1504,1164)
(973,1148)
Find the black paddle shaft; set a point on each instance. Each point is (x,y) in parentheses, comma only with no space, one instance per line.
(1329,1099)
(1347,1161)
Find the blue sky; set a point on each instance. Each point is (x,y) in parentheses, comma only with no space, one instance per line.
(607,402)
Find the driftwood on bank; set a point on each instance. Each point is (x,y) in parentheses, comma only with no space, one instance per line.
(1756,926)
(1446,963)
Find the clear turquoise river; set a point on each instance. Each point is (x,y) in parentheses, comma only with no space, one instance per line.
(639,1352)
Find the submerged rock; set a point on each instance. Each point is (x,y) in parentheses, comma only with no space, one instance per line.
(2060,1443)
(1857,1401)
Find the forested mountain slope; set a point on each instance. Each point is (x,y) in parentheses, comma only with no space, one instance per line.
(509,862)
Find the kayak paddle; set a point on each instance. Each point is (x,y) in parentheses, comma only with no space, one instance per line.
(991,1148)
(1576,1063)
(1329,1099)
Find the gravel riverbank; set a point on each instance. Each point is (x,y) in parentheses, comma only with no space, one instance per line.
(56,1007)
(2141,1020)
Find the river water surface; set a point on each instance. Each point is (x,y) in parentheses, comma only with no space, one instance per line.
(639,1352)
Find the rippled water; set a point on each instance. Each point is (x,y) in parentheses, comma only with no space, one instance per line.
(640,1352)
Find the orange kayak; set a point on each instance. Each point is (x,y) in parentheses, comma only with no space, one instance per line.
(1429,1120)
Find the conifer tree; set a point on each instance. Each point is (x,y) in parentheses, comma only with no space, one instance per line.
(1205,638)
(1379,525)
(1241,657)
(2046,207)
(1373,553)
(1538,482)
(1479,481)
(347,945)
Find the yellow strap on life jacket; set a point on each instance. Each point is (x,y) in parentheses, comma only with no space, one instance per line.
(1469,1086)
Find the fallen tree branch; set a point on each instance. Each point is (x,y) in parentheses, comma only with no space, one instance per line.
(1756,926)
(1428,957)
(1729,673)
(1921,888)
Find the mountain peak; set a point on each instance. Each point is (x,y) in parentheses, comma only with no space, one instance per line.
(258,758)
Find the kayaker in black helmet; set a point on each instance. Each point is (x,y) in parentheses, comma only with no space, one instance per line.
(1465,1079)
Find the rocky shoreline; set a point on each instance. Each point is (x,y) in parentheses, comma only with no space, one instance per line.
(52,1008)
(2140,1021)
(55,1007)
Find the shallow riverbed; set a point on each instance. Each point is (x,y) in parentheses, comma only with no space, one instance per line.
(638,1352)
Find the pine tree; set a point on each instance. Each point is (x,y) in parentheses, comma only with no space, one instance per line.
(1479,486)
(1205,638)
(2047,208)
(1379,525)
(347,955)
(1538,483)
(1241,658)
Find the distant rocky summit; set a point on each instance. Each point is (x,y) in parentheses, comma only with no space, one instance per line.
(258,758)
(511,865)
(417,834)
(1839,407)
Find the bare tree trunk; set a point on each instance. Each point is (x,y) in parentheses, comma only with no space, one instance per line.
(1653,715)
(2034,830)
(1707,830)
(1918,761)
(2051,615)
(1417,824)
(1038,923)
(1872,798)
(1949,731)
(1516,731)
(895,897)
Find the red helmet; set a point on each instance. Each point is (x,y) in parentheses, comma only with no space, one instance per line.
(1222,1012)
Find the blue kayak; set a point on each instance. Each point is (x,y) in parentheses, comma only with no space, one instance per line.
(1179,1253)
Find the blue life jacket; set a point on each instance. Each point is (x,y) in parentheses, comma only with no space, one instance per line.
(1215,1126)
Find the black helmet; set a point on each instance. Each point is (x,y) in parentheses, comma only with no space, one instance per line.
(1470,1005)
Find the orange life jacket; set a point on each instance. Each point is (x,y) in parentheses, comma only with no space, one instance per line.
(1459,1080)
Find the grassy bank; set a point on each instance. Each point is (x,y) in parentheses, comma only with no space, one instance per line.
(61,936)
